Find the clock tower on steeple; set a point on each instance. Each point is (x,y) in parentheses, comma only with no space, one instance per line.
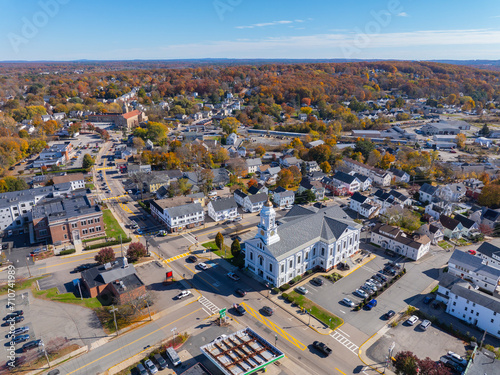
(267,228)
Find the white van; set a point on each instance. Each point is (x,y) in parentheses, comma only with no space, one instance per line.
(173,356)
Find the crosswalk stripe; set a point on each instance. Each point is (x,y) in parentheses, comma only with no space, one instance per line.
(341,339)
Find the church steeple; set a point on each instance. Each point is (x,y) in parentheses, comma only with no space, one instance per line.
(267,228)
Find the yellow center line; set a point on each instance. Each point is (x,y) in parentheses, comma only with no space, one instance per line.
(133,342)
(342,372)
(274,327)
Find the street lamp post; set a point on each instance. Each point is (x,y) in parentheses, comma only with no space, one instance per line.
(309,317)
(27,266)
(173,337)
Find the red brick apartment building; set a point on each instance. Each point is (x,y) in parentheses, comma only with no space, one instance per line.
(66,219)
(127,120)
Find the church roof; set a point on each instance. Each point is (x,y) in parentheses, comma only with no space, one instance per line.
(302,227)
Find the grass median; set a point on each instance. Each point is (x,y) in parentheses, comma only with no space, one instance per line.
(53,295)
(324,316)
(225,254)
(113,228)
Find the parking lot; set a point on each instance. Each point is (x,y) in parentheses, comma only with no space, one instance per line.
(397,297)
(72,325)
(432,343)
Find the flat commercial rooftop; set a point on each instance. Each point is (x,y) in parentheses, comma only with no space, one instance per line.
(241,353)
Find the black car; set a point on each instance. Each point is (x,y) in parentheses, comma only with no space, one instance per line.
(428,300)
(84,267)
(240,292)
(13,314)
(31,345)
(240,309)
(267,310)
(15,319)
(317,281)
(192,258)
(389,314)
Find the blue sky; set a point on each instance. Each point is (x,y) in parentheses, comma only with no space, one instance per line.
(112,30)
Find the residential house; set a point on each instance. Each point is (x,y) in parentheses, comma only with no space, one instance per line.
(389,199)
(76,180)
(433,231)
(452,228)
(465,302)
(400,176)
(118,281)
(316,176)
(312,144)
(270,175)
(490,254)
(177,218)
(232,139)
(312,166)
(283,197)
(344,180)
(490,218)
(308,238)
(435,210)
(250,203)
(154,181)
(378,176)
(256,189)
(451,192)
(315,186)
(363,205)
(253,165)
(476,269)
(470,227)
(288,161)
(365,182)
(392,238)
(427,193)
(222,209)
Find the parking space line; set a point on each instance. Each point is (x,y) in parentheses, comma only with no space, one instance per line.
(274,327)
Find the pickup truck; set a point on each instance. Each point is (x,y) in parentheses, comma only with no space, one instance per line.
(322,347)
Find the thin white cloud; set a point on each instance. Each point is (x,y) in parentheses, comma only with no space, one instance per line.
(264,24)
(403,14)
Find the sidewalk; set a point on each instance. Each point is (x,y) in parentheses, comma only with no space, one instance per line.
(376,366)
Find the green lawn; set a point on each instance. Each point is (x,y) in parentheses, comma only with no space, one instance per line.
(51,294)
(24,284)
(113,229)
(227,255)
(332,321)
(89,186)
(445,245)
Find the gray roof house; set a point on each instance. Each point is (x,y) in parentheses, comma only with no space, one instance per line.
(223,209)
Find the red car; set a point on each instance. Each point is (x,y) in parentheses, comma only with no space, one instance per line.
(472,252)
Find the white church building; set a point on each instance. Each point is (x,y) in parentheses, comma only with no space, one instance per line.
(308,237)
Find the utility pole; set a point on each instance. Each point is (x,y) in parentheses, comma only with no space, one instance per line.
(173,337)
(276,340)
(45,352)
(309,317)
(114,310)
(121,245)
(80,289)
(484,336)
(149,312)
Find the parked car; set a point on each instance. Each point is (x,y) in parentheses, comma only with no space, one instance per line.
(21,338)
(203,266)
(322,347)
(472,252)
(162,233)
(456,358)
(370,305)
(377,283)
(192,258)
(317,281)
(233,276)
(412,320)
(241,292)
(361,293)
(162,364)
(221,337)
(150,366)
(424,325)
(369,291)
(267,310)
(348,302)
(15,319)
(84,267)
(13,314)
(184,293)
(389,314)
(301,290)
(382,276)
(21,330)
(31,345)
(240,309)
(427,300)
(371,285)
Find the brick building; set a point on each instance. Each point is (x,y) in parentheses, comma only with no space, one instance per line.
(127,120)
(117,280)
(64,220)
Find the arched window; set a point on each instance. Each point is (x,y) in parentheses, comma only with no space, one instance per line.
(261,260)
